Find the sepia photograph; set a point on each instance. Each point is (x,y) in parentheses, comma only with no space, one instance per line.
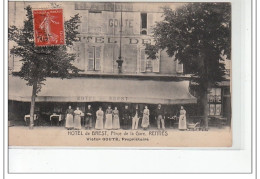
(119,74)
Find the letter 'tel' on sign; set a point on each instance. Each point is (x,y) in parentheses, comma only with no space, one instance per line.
(48,27)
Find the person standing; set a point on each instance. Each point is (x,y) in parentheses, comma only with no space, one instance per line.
(135,118)
(126,118)
(89,117)
(77,118)
(69,118)
(116,123)
(182,119)
(160,117)
(100,116)
(145,120)
(108,122)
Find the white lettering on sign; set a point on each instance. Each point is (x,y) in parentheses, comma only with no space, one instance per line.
(86,98)
(105,98)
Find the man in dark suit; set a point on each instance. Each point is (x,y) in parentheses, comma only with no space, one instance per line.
(160,116)
(126,118)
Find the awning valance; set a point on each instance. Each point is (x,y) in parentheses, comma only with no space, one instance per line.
(104,90)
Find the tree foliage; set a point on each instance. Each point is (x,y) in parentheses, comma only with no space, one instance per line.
(198,35)
(44,61)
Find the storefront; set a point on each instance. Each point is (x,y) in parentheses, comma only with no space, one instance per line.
(56,95)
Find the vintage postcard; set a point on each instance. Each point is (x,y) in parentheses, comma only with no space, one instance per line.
(119,74)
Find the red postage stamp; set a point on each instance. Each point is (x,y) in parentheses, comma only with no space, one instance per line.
(48,27)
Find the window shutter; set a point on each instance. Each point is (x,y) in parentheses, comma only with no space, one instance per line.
(179,67)
(137,22)
(150,23)
(98,58)
(90,58)
(75,50)
(156,63)
(142,61)
(84,24)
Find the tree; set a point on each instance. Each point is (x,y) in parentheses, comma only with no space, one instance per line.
(198,35)
(44,61)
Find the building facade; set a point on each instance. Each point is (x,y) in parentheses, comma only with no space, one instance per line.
(108,31)
(101,34)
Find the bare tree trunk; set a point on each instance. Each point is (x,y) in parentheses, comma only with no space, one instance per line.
(32,105)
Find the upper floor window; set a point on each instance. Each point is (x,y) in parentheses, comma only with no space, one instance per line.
(95,22)
(94,58)
(144,23)
(149,65)
(84,23)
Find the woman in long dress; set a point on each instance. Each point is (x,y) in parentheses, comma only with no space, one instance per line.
(145,121)
(182,119)
(99,121)
(69,118)
(116,123)
(77,118)
(108,123)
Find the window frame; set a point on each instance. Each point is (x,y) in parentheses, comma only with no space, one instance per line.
(148,61)
(143,30)
(94,65)
(215,102)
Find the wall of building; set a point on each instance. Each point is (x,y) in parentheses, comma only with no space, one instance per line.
(100,37)
(98,48)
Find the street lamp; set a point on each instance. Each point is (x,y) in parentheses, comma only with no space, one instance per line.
(120,61)
(119,64)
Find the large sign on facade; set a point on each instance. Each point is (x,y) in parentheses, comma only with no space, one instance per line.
(115,40)
(105,6)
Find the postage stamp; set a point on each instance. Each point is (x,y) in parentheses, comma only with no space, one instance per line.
(48,27)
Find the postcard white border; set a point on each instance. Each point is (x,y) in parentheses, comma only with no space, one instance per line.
(237,160)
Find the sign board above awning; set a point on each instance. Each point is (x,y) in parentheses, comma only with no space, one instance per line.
(104,90)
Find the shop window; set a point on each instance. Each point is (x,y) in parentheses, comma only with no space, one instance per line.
(149,65)
(94,58)
(214,101)
(144,23)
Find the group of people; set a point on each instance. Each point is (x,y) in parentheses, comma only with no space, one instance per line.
(110,118)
